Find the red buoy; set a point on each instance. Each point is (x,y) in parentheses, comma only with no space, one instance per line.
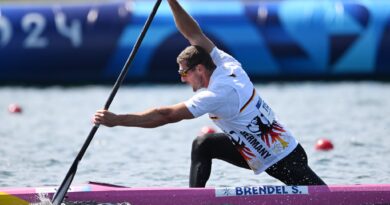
(14,108)
(207,130)
(324,145)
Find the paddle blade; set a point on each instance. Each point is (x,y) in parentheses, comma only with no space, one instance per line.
(62,190)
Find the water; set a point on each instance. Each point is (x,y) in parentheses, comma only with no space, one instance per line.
(39,145)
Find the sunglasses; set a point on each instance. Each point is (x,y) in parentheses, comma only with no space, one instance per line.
(184,72)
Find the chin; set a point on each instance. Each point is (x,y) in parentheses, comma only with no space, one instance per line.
(197,88)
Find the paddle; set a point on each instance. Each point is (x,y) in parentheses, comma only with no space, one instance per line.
(62,190)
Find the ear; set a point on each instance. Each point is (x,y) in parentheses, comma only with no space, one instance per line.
(200,68)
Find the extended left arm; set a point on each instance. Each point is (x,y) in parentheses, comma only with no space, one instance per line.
(148,119)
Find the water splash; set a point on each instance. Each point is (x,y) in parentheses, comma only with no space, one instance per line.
(44,199)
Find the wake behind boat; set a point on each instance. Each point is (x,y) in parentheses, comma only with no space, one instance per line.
(246,195)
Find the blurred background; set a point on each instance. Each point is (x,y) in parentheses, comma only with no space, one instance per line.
(323,66)
(89,41)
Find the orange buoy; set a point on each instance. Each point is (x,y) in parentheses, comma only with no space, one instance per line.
(207,130)
(324,145)
(14,108)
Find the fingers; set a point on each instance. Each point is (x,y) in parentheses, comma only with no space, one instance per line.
(103,117)
(97,118)
(101,112)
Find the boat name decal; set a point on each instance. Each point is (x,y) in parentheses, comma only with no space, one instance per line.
(260,190)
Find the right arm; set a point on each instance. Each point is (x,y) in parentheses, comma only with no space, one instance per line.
(189,28)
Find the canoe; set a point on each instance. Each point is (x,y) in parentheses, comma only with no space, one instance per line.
(244,195)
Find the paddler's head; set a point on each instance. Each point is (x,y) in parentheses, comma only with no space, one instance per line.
(195,67)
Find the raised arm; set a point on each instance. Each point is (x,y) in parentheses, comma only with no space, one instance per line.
(189,28)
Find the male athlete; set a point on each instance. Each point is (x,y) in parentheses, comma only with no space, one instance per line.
(252,137)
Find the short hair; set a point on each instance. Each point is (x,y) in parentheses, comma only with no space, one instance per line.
(194,55)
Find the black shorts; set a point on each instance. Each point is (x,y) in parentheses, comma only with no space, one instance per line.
(291,170)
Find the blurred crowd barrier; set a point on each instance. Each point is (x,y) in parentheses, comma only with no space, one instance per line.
(89,42)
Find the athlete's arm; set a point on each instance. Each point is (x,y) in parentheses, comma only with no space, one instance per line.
(189,28)
(148,119)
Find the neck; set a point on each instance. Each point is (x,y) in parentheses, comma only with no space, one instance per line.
(207,78)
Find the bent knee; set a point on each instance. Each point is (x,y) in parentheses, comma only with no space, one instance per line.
(202,142)
(211,143)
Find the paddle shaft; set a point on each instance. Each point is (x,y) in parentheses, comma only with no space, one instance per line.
(62,190)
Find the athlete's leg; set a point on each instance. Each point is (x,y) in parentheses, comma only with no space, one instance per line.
(294,169)
(208,147)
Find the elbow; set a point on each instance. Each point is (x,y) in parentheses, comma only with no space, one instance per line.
(172,119)
(195,37)
(169,118)
(164,116)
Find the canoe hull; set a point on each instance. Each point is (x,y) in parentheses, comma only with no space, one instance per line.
(249,195)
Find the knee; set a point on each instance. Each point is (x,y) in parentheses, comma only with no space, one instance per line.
(201,144)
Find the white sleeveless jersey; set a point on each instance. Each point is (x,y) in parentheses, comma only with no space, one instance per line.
(251,124)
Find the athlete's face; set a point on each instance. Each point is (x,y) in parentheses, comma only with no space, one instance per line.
(191,76)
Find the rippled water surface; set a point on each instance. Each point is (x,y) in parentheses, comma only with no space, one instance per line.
(39,145)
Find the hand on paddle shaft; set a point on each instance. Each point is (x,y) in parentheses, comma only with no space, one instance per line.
(62,190)
(106,118)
